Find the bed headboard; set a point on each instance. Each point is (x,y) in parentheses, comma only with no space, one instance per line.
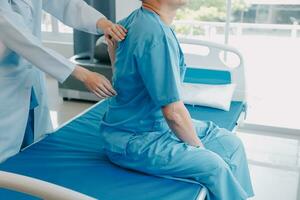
(219,60)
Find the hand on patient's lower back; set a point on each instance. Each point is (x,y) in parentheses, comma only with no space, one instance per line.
(96,83)
(99,85)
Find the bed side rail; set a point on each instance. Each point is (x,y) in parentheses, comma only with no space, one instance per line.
(218,57)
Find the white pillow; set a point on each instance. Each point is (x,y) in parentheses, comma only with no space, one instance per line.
(215,96)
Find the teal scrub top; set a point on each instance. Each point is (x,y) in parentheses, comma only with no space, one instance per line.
(149,68)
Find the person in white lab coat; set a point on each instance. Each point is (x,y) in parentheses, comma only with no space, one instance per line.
(24,113)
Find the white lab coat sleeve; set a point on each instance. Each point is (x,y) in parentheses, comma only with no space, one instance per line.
(75,13)
(18,38)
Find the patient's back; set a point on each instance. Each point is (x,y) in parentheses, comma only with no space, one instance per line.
(133,109)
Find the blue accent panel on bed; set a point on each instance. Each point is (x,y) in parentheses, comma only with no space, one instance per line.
(207,76)
(224,119)
(72,157)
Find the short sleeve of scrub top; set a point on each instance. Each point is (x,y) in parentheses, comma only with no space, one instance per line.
(159,70)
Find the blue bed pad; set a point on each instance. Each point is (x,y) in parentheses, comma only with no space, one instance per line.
(72,157)
(224,119)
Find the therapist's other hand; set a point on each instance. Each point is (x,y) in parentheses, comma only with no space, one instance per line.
(95,82)
(110,29)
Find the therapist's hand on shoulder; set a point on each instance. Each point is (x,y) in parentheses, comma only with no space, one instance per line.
(110,29)
(96,83)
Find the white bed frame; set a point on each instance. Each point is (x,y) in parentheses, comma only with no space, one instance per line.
(212,60)
(38,188)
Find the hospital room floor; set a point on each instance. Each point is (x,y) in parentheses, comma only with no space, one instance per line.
(274,160)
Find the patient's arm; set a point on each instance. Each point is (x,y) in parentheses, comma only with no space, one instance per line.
(180,122)
(112,45)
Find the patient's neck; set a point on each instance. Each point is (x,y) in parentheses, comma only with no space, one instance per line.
(166,13)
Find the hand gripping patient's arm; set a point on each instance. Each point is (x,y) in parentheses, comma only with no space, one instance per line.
(180,122)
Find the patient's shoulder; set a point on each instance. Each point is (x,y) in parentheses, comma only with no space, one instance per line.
(150,24)
(143,27)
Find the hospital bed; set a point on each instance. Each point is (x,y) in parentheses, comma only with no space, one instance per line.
(70,163)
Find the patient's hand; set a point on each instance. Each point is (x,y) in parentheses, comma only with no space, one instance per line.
(180,122)
(95,82)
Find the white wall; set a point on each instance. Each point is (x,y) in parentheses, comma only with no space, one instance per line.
(125,7)
(65,49)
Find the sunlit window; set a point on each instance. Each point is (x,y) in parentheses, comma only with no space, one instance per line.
(267,32)
(205,19)
(46,23)
(54,30)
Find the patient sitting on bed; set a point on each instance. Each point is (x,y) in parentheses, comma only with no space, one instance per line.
(147,127)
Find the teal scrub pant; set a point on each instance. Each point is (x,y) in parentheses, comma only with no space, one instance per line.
(221,166)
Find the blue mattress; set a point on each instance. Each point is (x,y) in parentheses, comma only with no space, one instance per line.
(72,157)
(224,119)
